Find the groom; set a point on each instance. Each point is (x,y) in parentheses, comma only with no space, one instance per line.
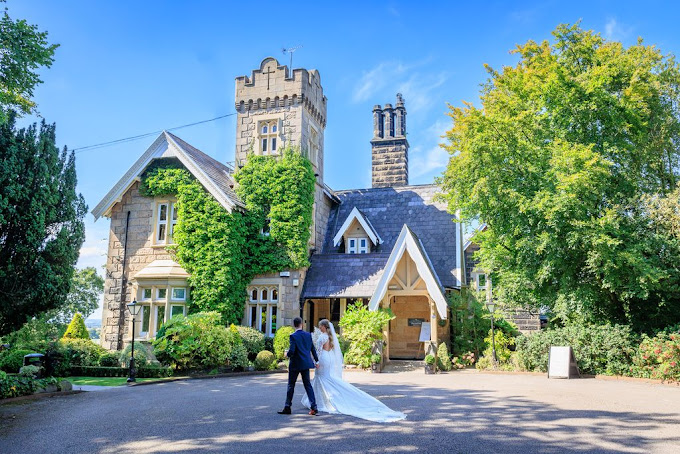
(301,346)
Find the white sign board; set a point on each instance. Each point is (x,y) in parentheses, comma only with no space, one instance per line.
(425,332)
(562,363)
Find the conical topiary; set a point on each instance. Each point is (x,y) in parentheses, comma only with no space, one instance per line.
(77,329)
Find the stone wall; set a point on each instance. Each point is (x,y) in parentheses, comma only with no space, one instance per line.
(140,252)
(389,163)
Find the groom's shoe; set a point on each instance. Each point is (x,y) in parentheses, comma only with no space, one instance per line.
(313,412)
(285,411)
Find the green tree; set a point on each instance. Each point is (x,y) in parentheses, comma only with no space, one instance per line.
(24,51)
(86,288)
(556,161)
(77,329)
(41,223)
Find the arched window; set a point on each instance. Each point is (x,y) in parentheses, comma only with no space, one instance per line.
(269,131)
(261,313)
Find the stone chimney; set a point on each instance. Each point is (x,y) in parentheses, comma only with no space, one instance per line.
(389,145)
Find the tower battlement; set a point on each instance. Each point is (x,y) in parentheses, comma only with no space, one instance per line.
(276,105)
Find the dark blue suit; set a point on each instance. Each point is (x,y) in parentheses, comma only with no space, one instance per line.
(300,353)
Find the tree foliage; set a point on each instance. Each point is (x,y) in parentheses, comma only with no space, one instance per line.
(557,162)
(86,288)
(77,329)
(41,223)
(24,51)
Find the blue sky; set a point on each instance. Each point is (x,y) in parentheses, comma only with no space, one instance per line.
(125,68)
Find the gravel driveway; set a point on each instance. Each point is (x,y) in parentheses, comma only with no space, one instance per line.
(458,412)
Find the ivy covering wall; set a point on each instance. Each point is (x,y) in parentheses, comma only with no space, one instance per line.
(223,251)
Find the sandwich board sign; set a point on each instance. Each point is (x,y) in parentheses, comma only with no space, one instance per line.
(425,332)
(562,363)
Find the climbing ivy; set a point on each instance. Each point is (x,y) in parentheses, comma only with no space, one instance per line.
(223,251)
(281,189)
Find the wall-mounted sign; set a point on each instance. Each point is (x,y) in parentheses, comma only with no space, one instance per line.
(415,321)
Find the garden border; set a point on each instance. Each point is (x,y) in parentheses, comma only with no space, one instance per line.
(39,396)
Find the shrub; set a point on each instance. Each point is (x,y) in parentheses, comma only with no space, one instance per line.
(29,371)
(143,355)
(80,352)
(269,344)
(658,357)
(199,342)
(253,340)
(265,360)
(362,328)
(463,361)
(147,371)
(429,360)
(77,329)
(19,385)
(282,341)
(443,358)
(12,360)
(109,360)
(599,349)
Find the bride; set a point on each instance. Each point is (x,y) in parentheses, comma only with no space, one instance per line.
(333,394)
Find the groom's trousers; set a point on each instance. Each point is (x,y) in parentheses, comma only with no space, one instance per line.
(292,378)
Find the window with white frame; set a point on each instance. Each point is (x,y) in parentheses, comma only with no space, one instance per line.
(480,281)
(262,310)
(179,294)
(166,218)
(268,134)
(160,303)
(357,246)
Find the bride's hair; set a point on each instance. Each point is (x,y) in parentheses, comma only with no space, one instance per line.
(325,323)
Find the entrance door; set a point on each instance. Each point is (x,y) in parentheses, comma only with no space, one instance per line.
(410,312)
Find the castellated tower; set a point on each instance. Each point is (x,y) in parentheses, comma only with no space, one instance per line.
(275,107)
(389,145)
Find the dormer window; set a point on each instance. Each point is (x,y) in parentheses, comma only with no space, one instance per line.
(357,246)
(358,234)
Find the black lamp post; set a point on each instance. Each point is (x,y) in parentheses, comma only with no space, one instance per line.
(134,309)
(491,305)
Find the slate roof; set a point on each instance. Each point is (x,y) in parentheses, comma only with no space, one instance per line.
(219,173)
(336,275)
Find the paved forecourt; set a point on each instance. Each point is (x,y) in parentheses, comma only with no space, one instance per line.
(458,412)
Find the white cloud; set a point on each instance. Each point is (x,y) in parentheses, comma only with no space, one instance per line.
(431,158)
(373,81)
(613,30)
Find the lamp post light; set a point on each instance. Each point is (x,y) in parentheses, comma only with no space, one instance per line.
(134,309)
(491,305)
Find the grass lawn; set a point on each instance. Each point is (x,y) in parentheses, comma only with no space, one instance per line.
(104,381)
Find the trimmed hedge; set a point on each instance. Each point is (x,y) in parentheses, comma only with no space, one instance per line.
(282,341)
(142,372)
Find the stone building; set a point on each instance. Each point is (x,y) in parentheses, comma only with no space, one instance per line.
(392,245)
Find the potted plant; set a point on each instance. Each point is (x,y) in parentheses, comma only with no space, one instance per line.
(430,364)
(376,361)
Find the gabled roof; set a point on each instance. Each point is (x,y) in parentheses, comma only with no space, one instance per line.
(388,210)
(409,242)
(469,240)
(214,176)
(365,224)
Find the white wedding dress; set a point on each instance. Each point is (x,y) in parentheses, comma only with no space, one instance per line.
(334,395)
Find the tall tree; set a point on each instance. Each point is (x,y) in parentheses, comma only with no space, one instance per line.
(86,289)
(23,50)
(41,223)
(557,160)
